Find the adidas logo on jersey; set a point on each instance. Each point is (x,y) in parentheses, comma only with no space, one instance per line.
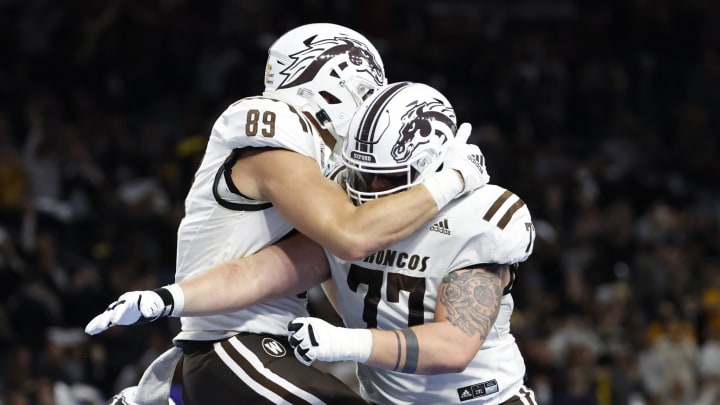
(441,226)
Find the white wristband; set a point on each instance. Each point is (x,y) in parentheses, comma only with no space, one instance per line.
(357,344)
(178,299)
(444,186)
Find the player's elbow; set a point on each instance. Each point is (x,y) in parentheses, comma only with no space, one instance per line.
(462,360)
(463,352)
(352,247)
(455,362)
(349,252)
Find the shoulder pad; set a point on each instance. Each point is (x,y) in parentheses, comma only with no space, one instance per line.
(510,220)
(265,122)
(496,226)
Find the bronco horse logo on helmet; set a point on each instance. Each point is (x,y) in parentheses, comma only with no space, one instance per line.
(308,62)
(418,125)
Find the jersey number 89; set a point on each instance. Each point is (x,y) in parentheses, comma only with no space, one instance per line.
(266,125)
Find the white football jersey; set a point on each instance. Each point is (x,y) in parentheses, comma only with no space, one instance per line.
(397,287)
(221,224)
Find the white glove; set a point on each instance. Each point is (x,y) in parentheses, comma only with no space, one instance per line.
(139,307)
(463,158)
(314,339)
(467,159)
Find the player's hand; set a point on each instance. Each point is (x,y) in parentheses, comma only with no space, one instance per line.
(131,308)
(467,159)
(314,339)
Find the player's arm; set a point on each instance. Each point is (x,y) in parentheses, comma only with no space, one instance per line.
(320,209)
(468,305)
(289,267)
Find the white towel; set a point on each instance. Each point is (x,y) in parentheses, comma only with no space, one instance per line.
(155,383)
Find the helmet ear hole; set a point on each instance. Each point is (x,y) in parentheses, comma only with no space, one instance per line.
(329,98)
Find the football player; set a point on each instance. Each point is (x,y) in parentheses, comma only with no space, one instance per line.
(262,176)
(427,318)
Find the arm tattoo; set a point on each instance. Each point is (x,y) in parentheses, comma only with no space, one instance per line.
(472,298)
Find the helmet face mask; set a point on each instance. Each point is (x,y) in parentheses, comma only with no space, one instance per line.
(327,70)
(365,183)
(398,138)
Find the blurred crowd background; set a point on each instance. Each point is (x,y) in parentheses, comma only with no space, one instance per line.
(604,116)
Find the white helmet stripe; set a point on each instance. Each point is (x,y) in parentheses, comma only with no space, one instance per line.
(526,396)
(248,367)
(369,119)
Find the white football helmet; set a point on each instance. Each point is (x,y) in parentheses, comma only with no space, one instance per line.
(399,135)
(325,69)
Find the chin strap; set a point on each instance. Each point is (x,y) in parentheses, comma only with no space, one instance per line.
(323,118)
(299,101)
(303,102)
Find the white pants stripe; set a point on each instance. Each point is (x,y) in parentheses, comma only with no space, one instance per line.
(259,369)
(526,396)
